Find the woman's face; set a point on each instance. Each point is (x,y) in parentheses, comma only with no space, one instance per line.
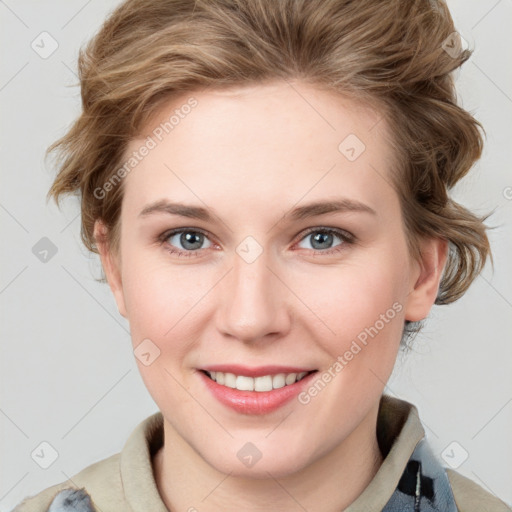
(257,282)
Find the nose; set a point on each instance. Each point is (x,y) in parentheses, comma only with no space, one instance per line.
(253,301)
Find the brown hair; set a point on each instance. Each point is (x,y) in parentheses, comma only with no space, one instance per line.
(397,54)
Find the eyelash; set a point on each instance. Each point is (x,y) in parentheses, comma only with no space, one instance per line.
(345,236)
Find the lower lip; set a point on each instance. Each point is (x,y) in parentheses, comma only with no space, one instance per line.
(255,402)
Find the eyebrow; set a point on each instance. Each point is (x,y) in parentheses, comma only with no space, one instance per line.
(299,213)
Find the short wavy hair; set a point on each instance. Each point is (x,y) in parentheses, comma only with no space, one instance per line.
(396,55)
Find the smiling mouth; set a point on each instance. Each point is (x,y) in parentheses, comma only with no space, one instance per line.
(258,384)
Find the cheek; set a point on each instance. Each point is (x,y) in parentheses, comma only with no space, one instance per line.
(355,296)
(163,306)
(160,299)
(166,303)
(364,307)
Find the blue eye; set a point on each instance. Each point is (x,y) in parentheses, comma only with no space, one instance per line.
(190,242)
(323,239)
(190,239)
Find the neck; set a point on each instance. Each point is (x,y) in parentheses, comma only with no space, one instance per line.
(329,484)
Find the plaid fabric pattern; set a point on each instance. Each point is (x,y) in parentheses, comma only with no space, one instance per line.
(424,485)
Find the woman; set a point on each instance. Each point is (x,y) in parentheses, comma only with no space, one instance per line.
(266,183)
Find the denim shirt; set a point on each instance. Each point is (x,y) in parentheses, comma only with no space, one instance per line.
(424,485)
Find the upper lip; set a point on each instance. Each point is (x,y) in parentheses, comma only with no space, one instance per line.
(258,371)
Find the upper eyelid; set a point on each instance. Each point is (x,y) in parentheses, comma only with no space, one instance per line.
(338,231)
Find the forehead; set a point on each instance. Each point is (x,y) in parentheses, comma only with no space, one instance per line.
(271,142)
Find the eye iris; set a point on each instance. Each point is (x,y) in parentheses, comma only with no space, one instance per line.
(191,240)
(320,238)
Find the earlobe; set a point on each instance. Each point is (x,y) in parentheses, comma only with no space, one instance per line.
(111,266)
(434,253)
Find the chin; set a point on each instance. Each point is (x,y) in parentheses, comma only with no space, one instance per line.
(262,470)
(245,460)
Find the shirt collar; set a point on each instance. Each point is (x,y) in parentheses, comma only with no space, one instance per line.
(399,430)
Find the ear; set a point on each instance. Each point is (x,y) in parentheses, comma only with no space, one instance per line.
(111,265)
(426,278)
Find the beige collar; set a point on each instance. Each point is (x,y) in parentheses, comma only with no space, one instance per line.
(398,431)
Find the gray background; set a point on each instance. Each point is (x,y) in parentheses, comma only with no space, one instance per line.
(67,369)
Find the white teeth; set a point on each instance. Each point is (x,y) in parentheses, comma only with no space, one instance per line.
(290,378)
(230,380)
(264,383)
(278,381)
(244,383)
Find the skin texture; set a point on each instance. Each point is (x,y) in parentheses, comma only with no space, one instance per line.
(251,155)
